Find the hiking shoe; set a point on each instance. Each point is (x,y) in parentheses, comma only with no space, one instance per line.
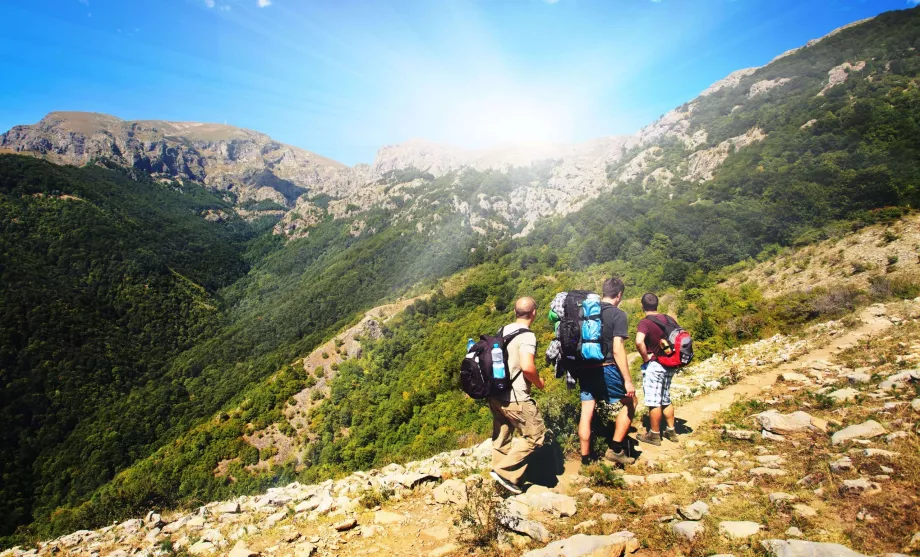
(619,457)
(505,483)
(650,438)
(670,435)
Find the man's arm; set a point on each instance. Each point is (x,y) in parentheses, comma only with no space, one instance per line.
(529,369)
(640,346)
(619,356)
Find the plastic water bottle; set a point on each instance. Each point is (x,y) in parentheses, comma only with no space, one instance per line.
(498,362)
(469,344)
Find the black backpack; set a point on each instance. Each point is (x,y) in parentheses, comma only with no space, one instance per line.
(476,376)
(572,330)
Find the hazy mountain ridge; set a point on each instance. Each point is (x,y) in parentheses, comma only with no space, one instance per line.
(277,179)
(249,164)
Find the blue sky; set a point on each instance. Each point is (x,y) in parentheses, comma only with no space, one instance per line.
(343,78)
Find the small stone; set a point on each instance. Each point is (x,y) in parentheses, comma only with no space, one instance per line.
(737,530)
(610,517)
(345,525)
(633,480)
(804,511)
(859,378)
(695,511)
(451,491)
(799,548)
(866,430)
(763,471)
(227,508)
(662,478)
(848,394)
(304,550)
(794,532)
(862,487)
(740,434)
(880,452)
(530,528)
(599,499)
(784,424)
(892,437)
(584,545)
(585,526)
(687,529)
(779,498)
(842,464)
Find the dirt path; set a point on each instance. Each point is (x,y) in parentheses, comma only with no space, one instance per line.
(695,412)
(702,409)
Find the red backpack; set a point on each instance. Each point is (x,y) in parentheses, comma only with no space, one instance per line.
(675,343)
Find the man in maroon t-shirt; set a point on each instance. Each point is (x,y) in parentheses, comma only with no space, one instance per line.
(656,378)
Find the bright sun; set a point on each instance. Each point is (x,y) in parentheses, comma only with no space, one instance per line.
(496,119)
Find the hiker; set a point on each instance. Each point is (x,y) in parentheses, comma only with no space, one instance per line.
(656,378)
(514,409)
(609,381)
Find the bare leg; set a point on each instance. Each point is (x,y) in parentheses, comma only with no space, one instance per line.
(624,419)
(584,426)
(669,415)
(654,419)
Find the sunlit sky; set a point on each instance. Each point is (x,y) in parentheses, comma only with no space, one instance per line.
(342,78)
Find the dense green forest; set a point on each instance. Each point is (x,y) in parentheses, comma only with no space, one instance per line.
(137,337)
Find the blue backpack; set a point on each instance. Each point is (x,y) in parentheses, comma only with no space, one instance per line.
(580,328)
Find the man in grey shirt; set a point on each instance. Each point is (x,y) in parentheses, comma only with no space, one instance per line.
(515,410)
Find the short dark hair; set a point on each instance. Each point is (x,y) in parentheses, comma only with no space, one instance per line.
(649,302)
(613,287)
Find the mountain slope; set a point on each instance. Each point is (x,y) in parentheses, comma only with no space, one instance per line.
(104,280)
(249,165)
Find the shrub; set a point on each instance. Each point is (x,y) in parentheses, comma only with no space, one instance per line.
(481,518)
(375,498)
(602,475)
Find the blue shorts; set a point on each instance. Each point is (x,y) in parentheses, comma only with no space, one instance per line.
(604,385)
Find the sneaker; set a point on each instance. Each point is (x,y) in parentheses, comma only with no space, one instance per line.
(650,438)
(670,435)
(619,457)
(505,483)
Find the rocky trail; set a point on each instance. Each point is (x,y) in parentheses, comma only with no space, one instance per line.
(754,473)
(697,411)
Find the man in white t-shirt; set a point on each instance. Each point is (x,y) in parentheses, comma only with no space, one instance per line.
(515,410)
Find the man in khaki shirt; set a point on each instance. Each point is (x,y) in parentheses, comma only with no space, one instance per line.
(515,410)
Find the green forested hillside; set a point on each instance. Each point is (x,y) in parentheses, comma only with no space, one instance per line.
(104,280)
(138,338)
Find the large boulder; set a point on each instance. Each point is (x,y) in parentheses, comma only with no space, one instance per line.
(865,430)
(613,545)
(802,548)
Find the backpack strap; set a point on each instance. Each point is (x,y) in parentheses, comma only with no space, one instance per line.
(507,339)
(663,328)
